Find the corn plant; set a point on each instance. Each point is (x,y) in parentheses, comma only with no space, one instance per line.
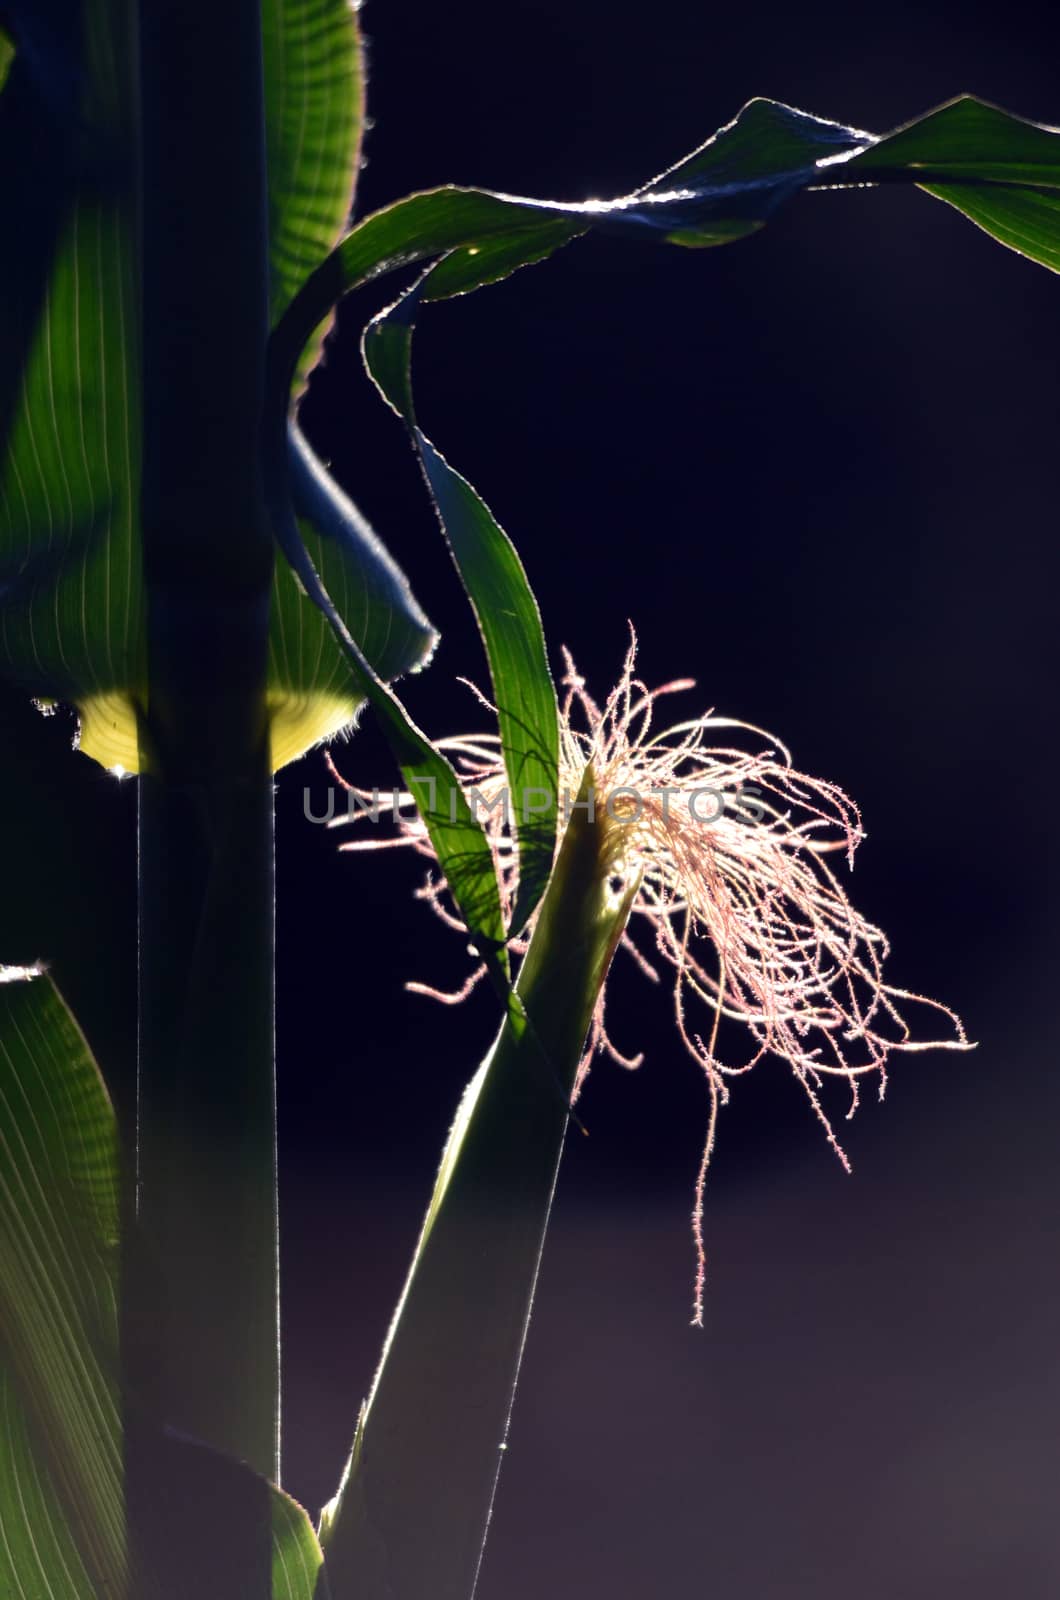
(179,567)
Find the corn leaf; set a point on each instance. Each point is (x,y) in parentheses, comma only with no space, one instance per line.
(314,106)
(71,600)
(63,1532)
(421,226)
(210,1528)
(504,607)
(455,832)
(725,189)
(1000,171)
(71,590)
(313,691)
(39,1559)
(58,1306)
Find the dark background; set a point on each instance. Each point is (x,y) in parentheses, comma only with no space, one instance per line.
(818,471)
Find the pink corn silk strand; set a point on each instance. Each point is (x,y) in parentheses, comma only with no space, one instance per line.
(741,905)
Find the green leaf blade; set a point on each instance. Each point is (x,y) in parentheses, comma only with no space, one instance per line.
(732,184)
(72,608)
(972,139)
(505,609)
(413,229)
(297,1559)
(207,1525)
(39,1559)
(458,839)
(314,120)
(312,692)
(58,1296)
(62,1441)
(999,170)
(1026,220)
(71,600)
(523,691)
